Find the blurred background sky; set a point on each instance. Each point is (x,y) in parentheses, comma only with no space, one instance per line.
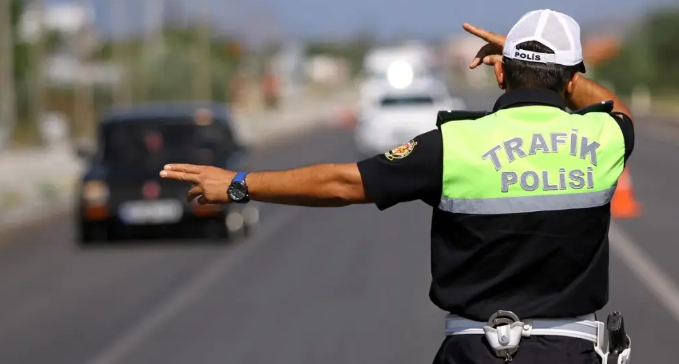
(153,42)
(387,18)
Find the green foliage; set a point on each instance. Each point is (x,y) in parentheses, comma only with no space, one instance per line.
(165,67)
(649,56)
(24,64)
(354,51)
(20,49)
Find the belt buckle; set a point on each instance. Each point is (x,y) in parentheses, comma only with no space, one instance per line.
(501,317)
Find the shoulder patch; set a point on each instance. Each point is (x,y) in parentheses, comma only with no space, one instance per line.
(401,151)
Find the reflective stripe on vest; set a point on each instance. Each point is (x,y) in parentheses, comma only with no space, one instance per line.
(532,158)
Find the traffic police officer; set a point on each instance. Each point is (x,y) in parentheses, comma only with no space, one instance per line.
(520,196)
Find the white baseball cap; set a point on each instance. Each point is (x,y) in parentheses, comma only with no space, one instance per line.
(555,30)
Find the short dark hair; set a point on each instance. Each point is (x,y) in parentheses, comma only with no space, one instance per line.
(523,74)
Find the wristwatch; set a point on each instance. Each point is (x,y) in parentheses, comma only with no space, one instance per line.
(238,189)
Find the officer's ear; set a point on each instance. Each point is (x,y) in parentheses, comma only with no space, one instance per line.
(500,75)
(570,88)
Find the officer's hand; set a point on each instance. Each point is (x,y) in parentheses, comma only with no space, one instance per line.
(490,53)
(210,183)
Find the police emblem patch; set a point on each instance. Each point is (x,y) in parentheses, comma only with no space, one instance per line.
(401,151)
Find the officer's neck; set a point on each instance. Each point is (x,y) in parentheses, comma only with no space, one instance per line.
(509,89)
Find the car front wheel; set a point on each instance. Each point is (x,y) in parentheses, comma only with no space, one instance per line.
(90,235)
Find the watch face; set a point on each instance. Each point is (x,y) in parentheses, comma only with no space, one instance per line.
(237,192)
(236,195)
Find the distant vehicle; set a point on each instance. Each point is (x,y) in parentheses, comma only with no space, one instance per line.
(378,61)
(395,111)
(121,193)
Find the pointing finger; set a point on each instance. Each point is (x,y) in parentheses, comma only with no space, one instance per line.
(479,32)
(489,37)
(180,176)
(187,168)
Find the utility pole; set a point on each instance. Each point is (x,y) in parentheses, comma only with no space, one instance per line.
(37,94)
(153,20)
(84,100)
(202,54)
(119,13)
(7,87)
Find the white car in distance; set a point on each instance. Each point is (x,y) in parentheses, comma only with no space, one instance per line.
(391,113)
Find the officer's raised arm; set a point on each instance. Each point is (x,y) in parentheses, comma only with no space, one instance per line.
(583,92)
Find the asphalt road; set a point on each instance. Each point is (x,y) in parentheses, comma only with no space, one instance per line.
(311,286)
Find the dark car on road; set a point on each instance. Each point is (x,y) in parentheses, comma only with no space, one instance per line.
(121,193)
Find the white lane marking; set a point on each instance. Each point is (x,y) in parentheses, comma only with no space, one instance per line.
(648,272)
(185,295)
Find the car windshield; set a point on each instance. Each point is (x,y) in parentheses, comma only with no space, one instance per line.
(149,144)
(415,100)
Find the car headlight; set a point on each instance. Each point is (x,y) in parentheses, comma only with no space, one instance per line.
(400,74)
(95,192)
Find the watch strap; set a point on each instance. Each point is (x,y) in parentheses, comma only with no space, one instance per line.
(239,177)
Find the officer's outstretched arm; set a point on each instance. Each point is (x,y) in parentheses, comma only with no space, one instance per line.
(583,92)
(406,173)
(321,185)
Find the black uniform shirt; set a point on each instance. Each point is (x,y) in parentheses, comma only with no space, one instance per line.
(538,264)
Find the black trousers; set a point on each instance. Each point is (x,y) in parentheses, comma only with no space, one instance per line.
(474,349)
